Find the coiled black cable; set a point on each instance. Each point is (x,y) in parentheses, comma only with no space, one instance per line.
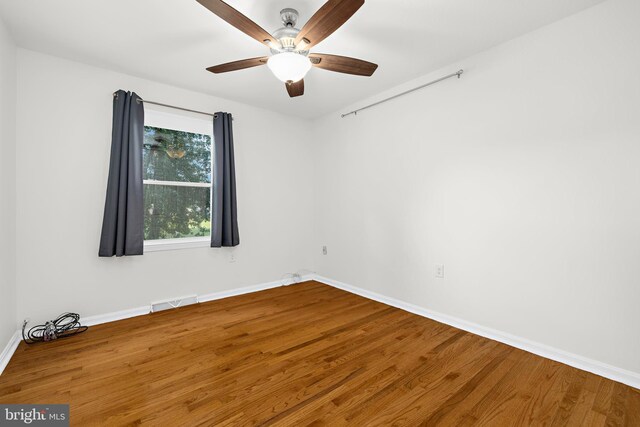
(66,325)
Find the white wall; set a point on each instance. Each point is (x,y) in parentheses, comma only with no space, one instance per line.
(523,178)
(64,130)
(7,186)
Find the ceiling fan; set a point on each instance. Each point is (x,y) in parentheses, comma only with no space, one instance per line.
(290,59)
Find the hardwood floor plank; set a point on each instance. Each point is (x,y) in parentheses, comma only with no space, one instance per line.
(421,397)
(569,400)
(435,368)
(585,400)
(397,359)
(305,355)
(617,414)
(632,408)
(463,393)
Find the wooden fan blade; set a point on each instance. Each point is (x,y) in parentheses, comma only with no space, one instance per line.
(238,20)
(325,21)
(238,65)
(343,64)
(295,89)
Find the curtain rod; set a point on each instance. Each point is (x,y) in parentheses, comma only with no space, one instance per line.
(355,112)
(115,94)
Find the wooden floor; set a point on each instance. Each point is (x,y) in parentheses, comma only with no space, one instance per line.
(305,355)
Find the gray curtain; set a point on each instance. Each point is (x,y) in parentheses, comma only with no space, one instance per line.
(123,222)
(224,227)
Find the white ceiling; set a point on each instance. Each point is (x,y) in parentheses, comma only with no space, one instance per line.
(173,41)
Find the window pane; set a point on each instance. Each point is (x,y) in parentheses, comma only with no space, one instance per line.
(171,155)
(173,212)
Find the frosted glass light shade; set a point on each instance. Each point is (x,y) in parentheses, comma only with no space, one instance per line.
(289,66)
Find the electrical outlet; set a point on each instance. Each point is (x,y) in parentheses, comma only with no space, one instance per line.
(440,271)
(324,250)
(232,257)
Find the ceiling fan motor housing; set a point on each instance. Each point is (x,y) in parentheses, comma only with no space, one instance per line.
(289,17)
(288,33)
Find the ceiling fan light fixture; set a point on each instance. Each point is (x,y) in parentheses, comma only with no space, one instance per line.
(289,66)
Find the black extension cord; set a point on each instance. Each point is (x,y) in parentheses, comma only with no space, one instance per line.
(66,325)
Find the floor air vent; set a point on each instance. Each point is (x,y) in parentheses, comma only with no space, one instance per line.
(173,303)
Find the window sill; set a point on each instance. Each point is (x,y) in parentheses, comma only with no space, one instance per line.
(176,244)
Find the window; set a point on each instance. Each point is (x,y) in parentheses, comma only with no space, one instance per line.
(177,180)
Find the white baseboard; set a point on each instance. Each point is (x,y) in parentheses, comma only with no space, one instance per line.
(9,349)
(116,315)
(251,289)
(140,311)
(98,319)
(599,368)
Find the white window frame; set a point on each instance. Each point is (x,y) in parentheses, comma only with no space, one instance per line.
(161,117)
